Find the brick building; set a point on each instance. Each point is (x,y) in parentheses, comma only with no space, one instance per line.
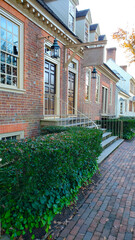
(35,86)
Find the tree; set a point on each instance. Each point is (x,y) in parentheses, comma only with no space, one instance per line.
(127,41)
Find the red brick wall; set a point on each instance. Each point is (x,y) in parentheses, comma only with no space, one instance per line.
(24,111)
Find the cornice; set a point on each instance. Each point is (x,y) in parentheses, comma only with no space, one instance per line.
(108,73)
(37,14)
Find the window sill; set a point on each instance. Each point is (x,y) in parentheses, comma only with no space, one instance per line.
(11,89)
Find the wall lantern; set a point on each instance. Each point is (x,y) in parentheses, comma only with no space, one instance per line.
(55,49)
(94,73)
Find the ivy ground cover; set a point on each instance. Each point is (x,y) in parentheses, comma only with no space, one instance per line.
(39,176)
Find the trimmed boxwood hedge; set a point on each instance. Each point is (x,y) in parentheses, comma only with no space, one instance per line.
(39,176)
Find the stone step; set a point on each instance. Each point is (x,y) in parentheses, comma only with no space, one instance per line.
(77,124)
(106,135)
(103,130)
(107,142)
(106,152)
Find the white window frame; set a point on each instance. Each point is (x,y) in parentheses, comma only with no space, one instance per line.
(20,77)
(19,134)
(88,71)
(70,2)
(86,23)
(121,107)
(97,99)
(57,63)
(111,93)
(75,71)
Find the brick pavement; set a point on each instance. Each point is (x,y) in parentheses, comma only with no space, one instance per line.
(109,210)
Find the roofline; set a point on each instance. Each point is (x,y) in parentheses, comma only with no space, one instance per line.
(125,94)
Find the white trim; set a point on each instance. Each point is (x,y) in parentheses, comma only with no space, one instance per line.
(11,134)
(75,71)
(103,107)
(57,63)
(20,77)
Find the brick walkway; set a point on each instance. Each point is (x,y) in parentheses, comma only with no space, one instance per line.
(109,211)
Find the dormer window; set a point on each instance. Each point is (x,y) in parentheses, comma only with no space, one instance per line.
(71,16)
(86,32)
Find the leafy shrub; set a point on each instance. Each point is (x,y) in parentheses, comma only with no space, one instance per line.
(53,129)
(128,128)
(40,176)
(122,127)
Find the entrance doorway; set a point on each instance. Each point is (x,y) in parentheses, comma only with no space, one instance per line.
(50,88)
(71,92)
(104,100)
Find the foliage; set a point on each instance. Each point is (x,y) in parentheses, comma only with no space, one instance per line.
(53,129)
(126,41)
(128,127)
(38,177)
(122,127)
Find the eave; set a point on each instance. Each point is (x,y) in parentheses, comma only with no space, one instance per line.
(105,70)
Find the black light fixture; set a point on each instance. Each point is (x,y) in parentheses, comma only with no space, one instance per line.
(55,49)
(94,73)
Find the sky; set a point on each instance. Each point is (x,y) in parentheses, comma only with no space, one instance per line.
(112,15)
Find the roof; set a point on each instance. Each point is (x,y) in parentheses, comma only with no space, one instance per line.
(111,70)
(93,27)
(45,6)
(122,90)
(82,13)
(101,37)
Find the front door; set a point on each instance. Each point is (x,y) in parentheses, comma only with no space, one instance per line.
(104,100)
(71,92)
(50,88)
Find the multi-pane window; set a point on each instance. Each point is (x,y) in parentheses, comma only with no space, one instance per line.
(87,86)
(130,106)
(9,38)
(97,88)
(121,107)
(86,32)
(71,16)
(111,90)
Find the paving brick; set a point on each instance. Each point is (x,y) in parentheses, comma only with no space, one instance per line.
(109,210)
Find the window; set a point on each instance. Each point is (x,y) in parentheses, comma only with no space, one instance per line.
(121,107)
(71,16)
(86,32)
(97,88)
(134,107)
(87,86)
(111,91)
(11,54)
(12,136)
(130,106)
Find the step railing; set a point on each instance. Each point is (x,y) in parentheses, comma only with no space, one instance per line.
(113,125)
(66,114)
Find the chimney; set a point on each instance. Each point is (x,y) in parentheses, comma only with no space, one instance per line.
(111,53)
(124,68)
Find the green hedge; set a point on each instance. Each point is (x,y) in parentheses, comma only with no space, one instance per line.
(43,175)
(53,129)
(128,127)
(122,127)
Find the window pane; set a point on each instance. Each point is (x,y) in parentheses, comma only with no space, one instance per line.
(15,50)
(2,80)
(14,61)
(9,48)
(3,22)
(3,68)
(15,40)
(9,37)
(9,80)
(15,29)
(9,59)
(3,34)
(8,69)
(2,57)
(14,81)
(15,71)
(9,26)
(3,45)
